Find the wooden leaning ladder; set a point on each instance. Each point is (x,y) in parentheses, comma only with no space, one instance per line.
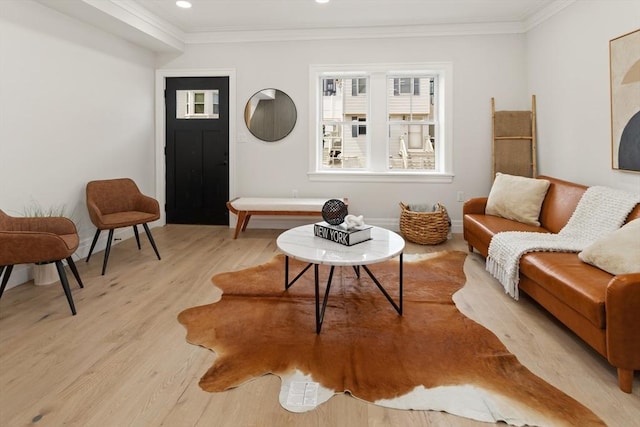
(513,145)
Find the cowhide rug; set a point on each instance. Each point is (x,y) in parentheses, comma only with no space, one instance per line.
(430,358)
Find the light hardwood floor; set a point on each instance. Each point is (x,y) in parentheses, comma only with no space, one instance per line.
(123,360)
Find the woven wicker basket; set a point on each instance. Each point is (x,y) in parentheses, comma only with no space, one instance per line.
(424,228)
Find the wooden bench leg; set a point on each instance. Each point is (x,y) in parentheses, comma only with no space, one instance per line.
(239,223)
(625,379)
(246,222)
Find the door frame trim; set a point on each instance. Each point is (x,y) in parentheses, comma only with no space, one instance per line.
(160,140)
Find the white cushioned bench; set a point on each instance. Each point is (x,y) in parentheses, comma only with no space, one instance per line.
(245,207)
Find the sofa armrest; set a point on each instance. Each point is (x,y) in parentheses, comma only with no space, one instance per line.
(475,206)
(623,321)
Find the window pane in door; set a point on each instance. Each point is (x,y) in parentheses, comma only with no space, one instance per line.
(197,104)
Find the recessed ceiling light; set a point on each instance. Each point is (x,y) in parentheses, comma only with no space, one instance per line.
(183,4)
(322,1)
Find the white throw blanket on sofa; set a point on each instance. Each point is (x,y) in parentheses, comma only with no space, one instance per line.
(600,211)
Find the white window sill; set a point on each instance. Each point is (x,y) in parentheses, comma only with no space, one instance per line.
(357,176)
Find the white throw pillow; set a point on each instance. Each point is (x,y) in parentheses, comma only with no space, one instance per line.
(517,197)
(618,252)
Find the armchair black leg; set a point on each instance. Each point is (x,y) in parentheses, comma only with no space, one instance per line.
(65,285)
(106,252)
(5,278)
(146,230)
(93,244)
(135,231)
(74,270)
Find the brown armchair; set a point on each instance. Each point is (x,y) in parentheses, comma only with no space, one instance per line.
(38,240)
(118,203)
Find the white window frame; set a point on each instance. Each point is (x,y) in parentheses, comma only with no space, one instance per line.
(378,151)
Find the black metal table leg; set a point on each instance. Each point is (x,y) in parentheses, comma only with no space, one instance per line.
(319,312)
(317,294)
(356,268)
(401,273)
(397,306)
(320,309)
(288,284)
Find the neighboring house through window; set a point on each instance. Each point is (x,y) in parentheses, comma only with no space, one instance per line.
(382,122)
(406,85)
(358,86)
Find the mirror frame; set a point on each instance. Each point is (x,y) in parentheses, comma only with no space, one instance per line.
(274,121)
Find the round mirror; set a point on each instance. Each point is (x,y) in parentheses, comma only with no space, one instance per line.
(270,115)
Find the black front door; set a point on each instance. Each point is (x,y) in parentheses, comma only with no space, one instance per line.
(197,150)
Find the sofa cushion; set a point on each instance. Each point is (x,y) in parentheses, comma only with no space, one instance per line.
(489,225)
(579,285)
(618,252)
(517,198)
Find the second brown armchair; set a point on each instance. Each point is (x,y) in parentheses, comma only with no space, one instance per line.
(118,203)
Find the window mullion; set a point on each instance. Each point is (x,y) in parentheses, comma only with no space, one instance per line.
(378,148)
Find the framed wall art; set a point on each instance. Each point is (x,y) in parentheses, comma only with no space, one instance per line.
(624,62)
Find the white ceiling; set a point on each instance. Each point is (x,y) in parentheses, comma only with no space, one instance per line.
(162,26)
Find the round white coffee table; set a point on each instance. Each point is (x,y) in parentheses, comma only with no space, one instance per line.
(300,243)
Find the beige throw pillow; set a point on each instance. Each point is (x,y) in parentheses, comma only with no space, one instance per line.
(517,197)
(617,253)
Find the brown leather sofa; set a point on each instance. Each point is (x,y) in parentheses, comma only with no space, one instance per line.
(602,309)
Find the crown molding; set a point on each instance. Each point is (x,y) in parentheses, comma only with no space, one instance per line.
(352,33)
(546,13)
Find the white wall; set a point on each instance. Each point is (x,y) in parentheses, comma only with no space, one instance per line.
(483,66)
(76,104)
(568,66)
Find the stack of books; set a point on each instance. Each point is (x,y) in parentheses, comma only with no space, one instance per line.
(339,234)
